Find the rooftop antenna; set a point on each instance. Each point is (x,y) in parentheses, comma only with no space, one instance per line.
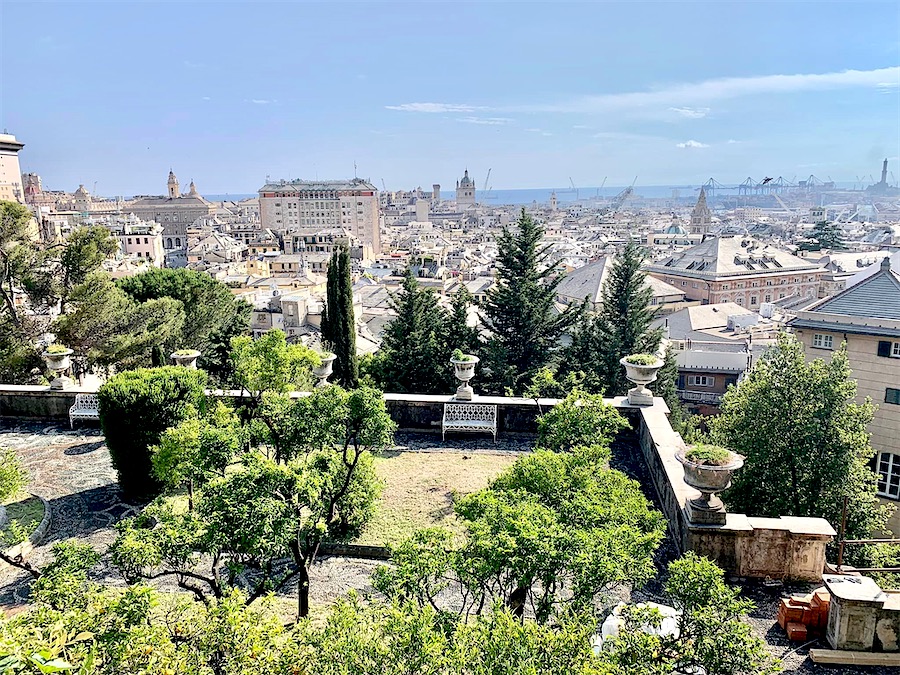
(354,169)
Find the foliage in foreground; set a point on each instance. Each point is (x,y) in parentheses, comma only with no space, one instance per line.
(76,625)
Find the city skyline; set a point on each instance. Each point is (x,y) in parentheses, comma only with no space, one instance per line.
(412,94)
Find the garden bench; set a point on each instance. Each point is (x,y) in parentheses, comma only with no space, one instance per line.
(87,407)
(469,417)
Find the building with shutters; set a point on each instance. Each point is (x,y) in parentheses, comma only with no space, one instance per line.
(866,315)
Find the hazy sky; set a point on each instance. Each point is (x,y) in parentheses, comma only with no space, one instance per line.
(228,93)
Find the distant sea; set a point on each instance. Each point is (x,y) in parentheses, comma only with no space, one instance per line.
(688,193)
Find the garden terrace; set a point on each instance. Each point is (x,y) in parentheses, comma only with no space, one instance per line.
(786,547)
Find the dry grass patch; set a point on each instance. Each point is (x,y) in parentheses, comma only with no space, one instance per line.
(420,489)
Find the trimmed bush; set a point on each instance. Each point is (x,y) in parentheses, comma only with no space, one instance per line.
(136,407)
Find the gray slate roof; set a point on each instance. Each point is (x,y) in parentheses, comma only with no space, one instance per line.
(877,297)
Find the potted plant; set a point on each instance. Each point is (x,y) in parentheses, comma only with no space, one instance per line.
(464,370)
(708,469)
(641,369)
(325,368)
(186,357)
(56,357)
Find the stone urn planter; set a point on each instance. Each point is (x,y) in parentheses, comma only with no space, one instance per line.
(464,370)
(186,357)
(708,469)
(324,370)
(57,359)
(641,369)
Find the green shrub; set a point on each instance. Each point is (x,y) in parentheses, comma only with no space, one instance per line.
(579,419)
(13,476)
(713,455)
(136,407)
(642,359)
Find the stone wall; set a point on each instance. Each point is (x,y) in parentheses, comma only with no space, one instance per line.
(783,548)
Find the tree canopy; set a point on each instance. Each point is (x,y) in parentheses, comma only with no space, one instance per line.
(621,326)
(804,439)
(213,316)
(520,311)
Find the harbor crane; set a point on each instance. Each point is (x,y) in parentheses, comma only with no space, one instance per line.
(574,189)
(486,190)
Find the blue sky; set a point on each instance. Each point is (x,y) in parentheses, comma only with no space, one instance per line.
(228,93)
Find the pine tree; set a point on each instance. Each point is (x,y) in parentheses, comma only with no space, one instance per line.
(828,235)
(459,334)
(621,327)
(414,353)
(520,311)
(338,321)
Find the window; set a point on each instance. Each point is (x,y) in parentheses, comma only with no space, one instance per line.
(754,299)
(821,341)
(888,348)
(889,475)
(701,380)
(892,396)
(129,240)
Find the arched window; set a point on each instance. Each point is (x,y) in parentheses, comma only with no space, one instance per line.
(169,242)
(178,242)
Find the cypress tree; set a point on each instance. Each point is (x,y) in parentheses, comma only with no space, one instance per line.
(338,321)
(520,311)
(414,352)
(620,328)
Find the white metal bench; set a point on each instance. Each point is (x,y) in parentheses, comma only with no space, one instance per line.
(469,417)
(87,407)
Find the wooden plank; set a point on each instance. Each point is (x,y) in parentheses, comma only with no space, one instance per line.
(847,658)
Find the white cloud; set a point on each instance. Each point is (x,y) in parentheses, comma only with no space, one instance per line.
(492,121)
(533,129)
(689,99)
(691,144)
(580,126)
(699,93)
(434,107)
(262,101)
(731,141)
(207,98)
(691,113)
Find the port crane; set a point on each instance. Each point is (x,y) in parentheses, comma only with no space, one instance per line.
(486,190)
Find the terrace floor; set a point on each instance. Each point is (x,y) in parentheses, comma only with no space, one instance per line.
(72,470)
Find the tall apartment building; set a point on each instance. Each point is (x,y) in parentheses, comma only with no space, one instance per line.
(867,317)
(309,206)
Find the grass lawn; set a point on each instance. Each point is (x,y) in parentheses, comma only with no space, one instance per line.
(420,487)
(26,510)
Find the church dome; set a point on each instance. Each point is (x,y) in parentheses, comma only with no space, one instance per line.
(81,192)
(466,181)
(675,228)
